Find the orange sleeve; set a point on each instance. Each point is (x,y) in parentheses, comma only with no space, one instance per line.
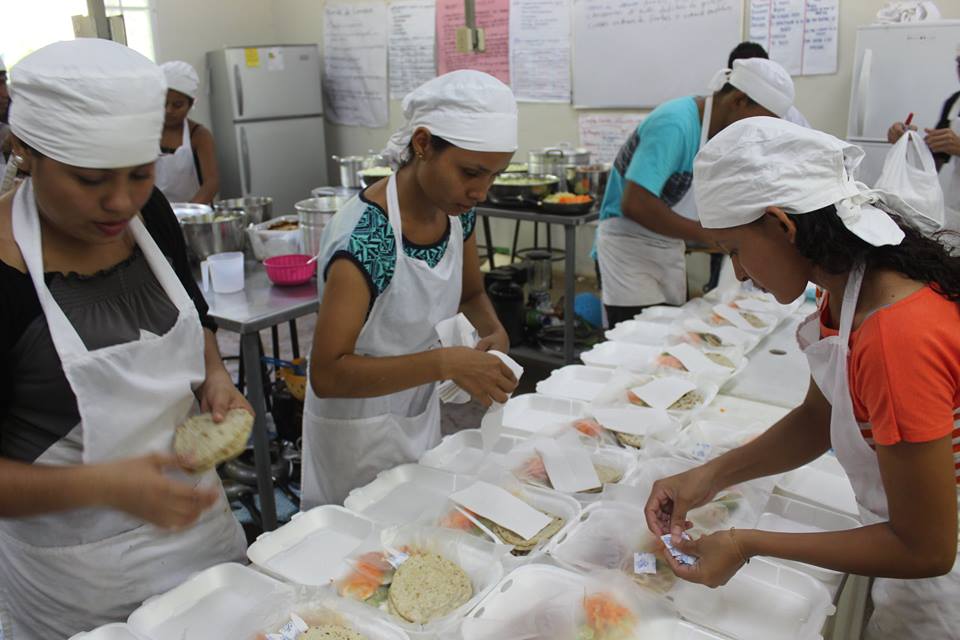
(903,379)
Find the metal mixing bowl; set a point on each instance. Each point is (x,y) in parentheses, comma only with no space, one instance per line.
(210,233)
(255,209)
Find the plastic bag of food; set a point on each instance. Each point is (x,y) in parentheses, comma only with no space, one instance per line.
(319,610)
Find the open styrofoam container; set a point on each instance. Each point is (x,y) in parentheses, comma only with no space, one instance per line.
(636,357)
(732,337)
(763,601)
(687,630)
(401,494)
(225,602)
(787,515)
(480,559)
(720,375)
(704,440)
(615,395)
(653,334)
(310,549)
(533,413)
(113,631)
(770,321)
(661,313)
(536,599)
(550,502)
(822,482)
(462,452)
(576,382)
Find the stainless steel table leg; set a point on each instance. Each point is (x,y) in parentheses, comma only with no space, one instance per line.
(250,352)
(569,291)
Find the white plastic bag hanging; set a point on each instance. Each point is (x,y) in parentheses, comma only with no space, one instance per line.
(910,173)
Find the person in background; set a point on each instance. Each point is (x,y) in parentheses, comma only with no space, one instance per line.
(884,354)
(747,50)
(4,118)
(187,169)
(105,347)
(944,142)
(395,261)
(647,212)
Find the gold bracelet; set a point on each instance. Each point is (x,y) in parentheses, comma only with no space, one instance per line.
(733,538)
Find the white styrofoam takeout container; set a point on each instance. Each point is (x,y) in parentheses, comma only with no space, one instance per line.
(533,413)
(113,631)
(642,332)
(635,357)
(822,482)
(311,548)
(576,382)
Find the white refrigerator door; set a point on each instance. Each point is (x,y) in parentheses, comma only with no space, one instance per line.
(283,159)
(898,70)
(274,82)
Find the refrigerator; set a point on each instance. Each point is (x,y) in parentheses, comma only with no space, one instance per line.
(897,70)
(267,114)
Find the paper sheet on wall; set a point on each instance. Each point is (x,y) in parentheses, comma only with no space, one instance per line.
(412,43)
(493,16)
(799,34)
(540,50)
(355,63)
(602,134)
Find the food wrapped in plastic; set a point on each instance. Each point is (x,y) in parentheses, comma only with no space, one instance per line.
(322,613)
(527,464)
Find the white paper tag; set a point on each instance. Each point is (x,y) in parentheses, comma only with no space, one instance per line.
(701,451)
(639,421)
(504,508)
(397,558)
(570,469)
(644,563)
(694,360)
(661,393)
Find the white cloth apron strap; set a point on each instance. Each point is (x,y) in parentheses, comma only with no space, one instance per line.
(176,173)
(26,230)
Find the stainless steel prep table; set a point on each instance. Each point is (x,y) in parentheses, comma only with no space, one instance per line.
(261,305)
(570,225)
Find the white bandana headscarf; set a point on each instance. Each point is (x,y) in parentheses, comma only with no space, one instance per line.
(469,109)
(89,103)
(760,162)
(181,77)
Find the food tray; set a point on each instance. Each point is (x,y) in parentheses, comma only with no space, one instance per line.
(640,332)
(636,357)
(114,631)
(763,601)
(575,382)
(532,413)
(822,482)
(401,494)
(224,602)
(462,452)
(518,606)
(787,515)
(310,549)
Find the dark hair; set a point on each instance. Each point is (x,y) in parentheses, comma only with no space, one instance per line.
(822,239)
(746,50)
(437,143)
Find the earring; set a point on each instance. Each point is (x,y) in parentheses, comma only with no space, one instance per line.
(420,156)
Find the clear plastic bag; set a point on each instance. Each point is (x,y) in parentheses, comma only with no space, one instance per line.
(319,606)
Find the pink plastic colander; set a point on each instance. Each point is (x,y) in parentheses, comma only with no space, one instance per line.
(291,269)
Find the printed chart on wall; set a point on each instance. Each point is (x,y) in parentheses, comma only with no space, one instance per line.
(355,63)
(602,134)
(799,34)
(540,50)
(493,16)
(412,41)
(639,53)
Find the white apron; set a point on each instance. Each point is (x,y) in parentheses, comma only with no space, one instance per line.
(176,173)
(639,269)
(72,571)
(348,441)
(950,177)
(903,609)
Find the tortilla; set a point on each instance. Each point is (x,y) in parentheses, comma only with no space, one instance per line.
(523,546)
(331,632)
(630,440)
(721,360)
(201,444)
(428,586)
(688,401)
(607,475)
(754,321)
(711,339)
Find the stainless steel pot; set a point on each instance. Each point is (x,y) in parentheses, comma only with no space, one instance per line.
(372,175)
(255,209)
(350,167)
(210,233)
(314,215)
(187,209)
(588,180)
(552,160)
(509,189)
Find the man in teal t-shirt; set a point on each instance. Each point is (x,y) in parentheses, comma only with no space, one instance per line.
(648,211)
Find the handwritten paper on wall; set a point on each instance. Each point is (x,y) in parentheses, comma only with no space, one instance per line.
(639,53)
(799,34)
(355,63)
(493,16)
(540,50)
(412,39)
(602,134)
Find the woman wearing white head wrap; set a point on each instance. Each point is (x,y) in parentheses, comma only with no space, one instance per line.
(883,350)
(187,170)
(396,261)
(104,352)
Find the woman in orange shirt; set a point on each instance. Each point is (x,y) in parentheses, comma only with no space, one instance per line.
(884,354)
